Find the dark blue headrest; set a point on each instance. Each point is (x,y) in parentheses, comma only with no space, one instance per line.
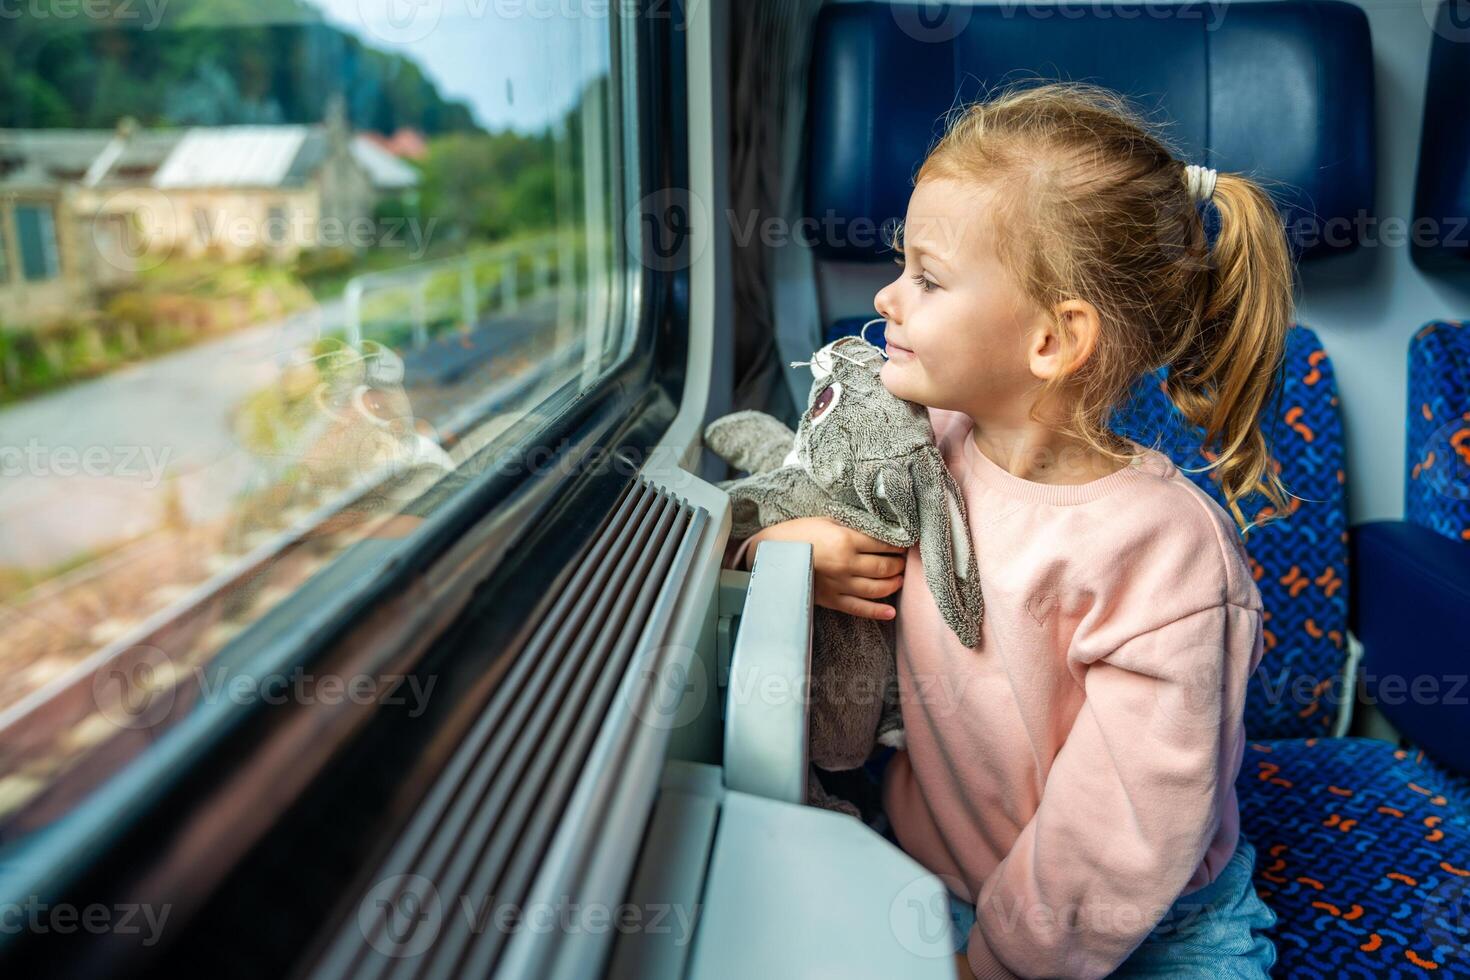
(1278,90)
(1442,191)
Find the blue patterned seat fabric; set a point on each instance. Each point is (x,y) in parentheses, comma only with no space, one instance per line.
(1300,563)
(1437,474)
(1437,478)
(1363,848)
(1361,855)
(1456,784)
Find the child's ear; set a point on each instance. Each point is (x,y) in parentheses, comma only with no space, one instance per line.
(1064,339)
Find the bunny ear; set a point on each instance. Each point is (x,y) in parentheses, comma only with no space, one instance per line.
(947,549)
(891,497)
(887,496)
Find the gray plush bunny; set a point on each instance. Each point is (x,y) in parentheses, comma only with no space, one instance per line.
(866,459)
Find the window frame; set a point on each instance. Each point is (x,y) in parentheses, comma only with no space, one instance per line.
(217,781)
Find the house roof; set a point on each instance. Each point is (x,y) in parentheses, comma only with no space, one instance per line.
(406,143)
(386,171)
(235,156)
(33,158)
(142,154)
(198,157)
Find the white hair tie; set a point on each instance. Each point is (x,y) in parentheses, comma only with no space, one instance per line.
(1200,180)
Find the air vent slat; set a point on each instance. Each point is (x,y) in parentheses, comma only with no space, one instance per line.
(502,765)
(477,840)
(432,834)
(500,822)
(524,854)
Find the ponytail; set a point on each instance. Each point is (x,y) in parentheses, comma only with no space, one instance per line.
(1232,367)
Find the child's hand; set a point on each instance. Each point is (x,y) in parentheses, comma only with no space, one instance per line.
(849,569)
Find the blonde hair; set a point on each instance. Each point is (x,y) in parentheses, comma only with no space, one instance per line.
(1096,207)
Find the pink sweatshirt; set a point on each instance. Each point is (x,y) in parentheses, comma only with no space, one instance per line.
(1074,774)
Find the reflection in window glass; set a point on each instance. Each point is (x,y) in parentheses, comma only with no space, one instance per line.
(295,273)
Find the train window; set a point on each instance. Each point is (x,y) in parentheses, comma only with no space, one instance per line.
(280,274)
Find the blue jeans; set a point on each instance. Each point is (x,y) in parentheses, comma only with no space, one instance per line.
(1214,931)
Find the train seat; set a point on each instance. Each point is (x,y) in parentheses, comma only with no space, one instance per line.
(1418,569)
(1363,852)
(1415,573)
(1280,89)
(1437,481)
(1440,239)
(1352,834)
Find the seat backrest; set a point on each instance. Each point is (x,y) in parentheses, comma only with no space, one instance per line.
(1437,481)
(1437,471)
(1440,238)
(1280,90)
(1299,562)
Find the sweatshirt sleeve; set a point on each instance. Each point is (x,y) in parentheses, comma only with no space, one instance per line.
(1130,805)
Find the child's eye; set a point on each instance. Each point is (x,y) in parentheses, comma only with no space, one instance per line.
(924,282)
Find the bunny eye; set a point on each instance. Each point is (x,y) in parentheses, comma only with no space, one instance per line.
(826,398)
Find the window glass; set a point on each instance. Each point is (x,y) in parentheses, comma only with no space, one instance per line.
(36,229)
(301,261)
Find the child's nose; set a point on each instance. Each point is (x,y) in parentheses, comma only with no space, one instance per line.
(884,306)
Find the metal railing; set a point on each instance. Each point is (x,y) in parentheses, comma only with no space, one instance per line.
(463,271)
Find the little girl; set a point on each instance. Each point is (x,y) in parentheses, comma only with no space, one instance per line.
(1071,778)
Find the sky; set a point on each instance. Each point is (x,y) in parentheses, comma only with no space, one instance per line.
(518,63)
